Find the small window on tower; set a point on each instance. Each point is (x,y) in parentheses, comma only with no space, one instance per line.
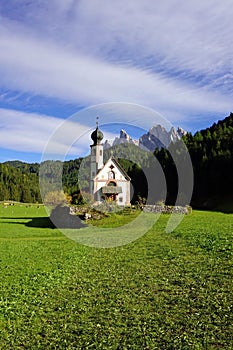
(101,152)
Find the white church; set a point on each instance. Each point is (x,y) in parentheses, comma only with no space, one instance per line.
(108,182)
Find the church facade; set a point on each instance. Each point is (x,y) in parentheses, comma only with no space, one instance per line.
(109,181)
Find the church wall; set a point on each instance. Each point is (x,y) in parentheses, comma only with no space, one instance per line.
(105,176)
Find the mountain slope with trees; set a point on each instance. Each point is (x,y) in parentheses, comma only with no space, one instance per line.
(18,185)
(211,152)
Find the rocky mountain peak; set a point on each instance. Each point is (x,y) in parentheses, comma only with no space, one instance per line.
(124,135)
(181,132)
(124,138)
(156,137)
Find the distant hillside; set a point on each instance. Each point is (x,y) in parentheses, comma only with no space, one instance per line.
(18,185)
(19,181)
(25,168)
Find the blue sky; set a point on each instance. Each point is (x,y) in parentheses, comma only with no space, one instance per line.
(58,57)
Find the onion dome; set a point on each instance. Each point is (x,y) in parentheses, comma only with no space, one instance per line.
(97,136)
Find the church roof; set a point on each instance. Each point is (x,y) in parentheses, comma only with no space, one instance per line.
(116,163)
(120,168)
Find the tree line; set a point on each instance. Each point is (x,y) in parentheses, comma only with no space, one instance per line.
(19,184)
(211,152)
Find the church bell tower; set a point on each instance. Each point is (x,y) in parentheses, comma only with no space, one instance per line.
(96,155)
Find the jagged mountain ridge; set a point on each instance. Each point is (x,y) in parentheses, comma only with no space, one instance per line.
(156,137)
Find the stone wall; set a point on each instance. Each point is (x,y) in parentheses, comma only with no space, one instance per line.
(167,209)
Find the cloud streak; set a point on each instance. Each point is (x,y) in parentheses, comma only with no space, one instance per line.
(195,35)
(44,68)
(134,52)
(176,57)
(32,132)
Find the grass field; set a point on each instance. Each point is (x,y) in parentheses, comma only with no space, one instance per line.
(162,291)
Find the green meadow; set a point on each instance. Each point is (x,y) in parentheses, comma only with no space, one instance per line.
(163,291)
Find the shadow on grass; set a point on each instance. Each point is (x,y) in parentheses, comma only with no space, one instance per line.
(43,222)
(40,222)
(59,218)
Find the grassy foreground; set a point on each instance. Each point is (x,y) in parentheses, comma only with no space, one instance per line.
(163,291)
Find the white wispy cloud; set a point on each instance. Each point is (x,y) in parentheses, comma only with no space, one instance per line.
(51,137)
(92,52)
(46,135)
(194,35)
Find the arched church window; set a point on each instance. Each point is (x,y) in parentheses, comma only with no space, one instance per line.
(111,183)
(111,175)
